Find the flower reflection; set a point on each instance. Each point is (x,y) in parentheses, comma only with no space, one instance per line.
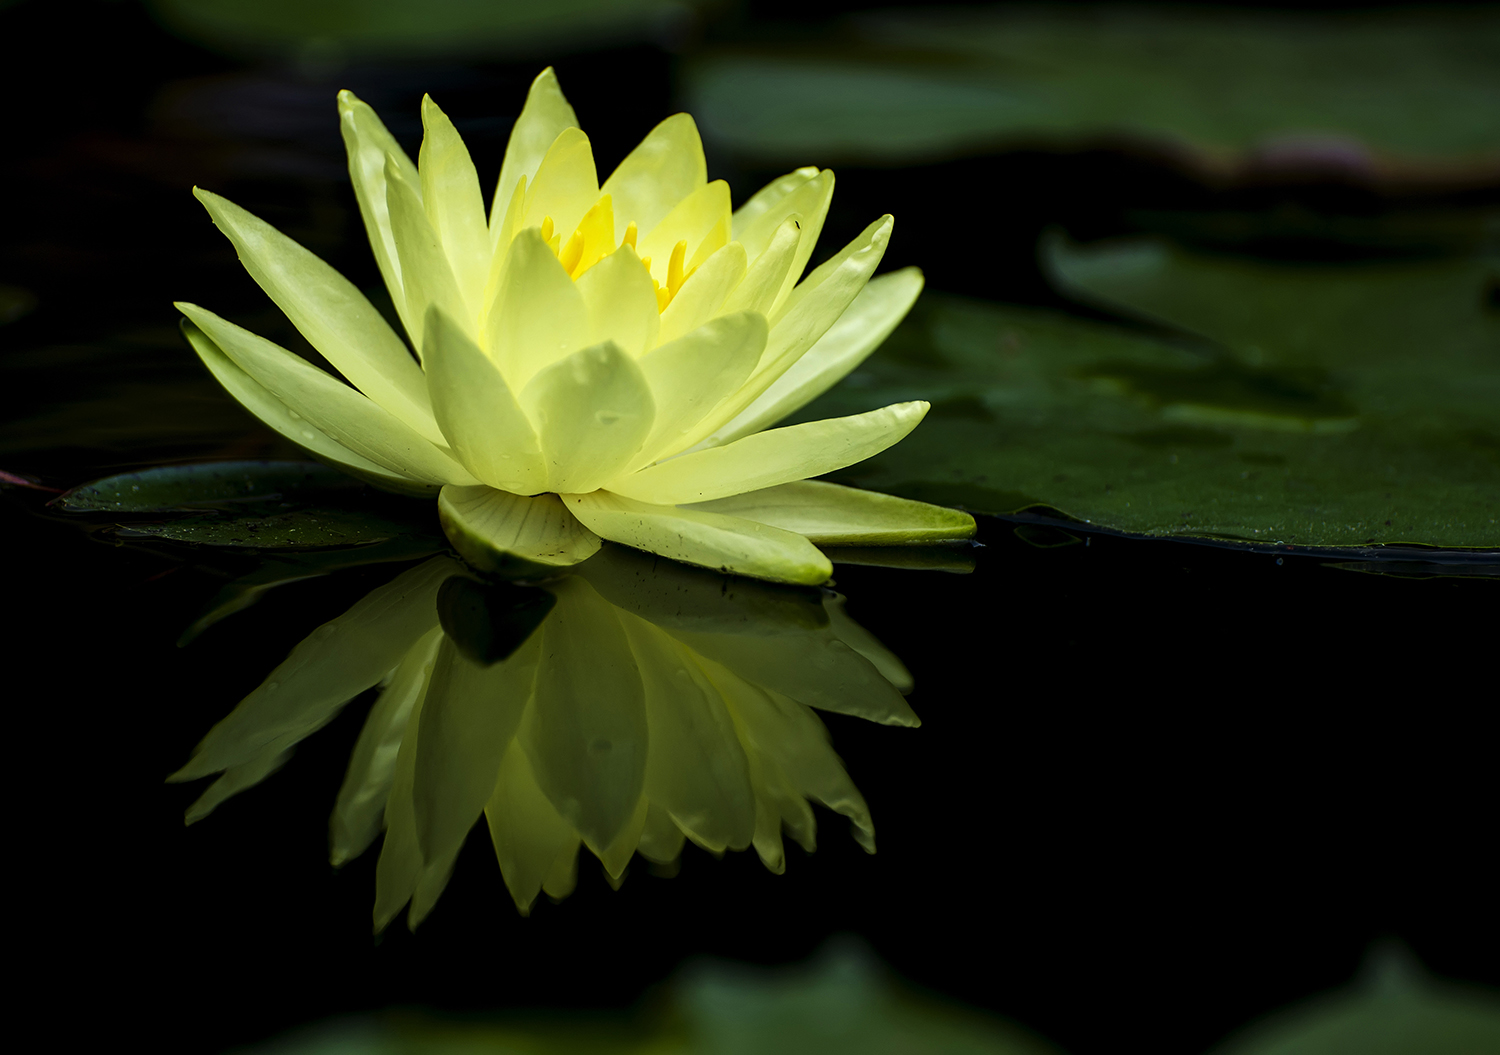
(626,707)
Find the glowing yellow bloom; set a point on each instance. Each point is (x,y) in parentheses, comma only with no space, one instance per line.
(591,361)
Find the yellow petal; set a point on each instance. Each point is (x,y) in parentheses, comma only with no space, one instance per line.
(701,219)
(529,835)
(710,540)
(538,316)
(585,734)
(703,294)
(833,515)
(766,198)
(769,277)
(500,532)
(621,302)
(592,410)
(565,186)
(809,202)
(692,375)
(868,321)
(454,206)
(664,169)
(542,120)
(369,145)
(661,840)
(595,236)
(333,407)
(766,459)
(427,278)
(257,399)
(478,413)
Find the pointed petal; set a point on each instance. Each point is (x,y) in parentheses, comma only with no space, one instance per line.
(711,540)
(530,836)
(334,316)
(779,456)
(696,769)
(866,644)
(478,413)
(692,375)
(766,198)
(664,169)
(494,530)
(257,399)
(359,814)
(661,840)
(769,276)
(809,203)
(542,120)
(593,411)
(621,302)
(595,235)
(833,515)
(585,735)
(867,322)
(369,145)
(236,779)
(328,668)
(565,186)
(701,219)
(344,414)
(454,205)
(468,721)
(427,277)
(538,316)
(704,292)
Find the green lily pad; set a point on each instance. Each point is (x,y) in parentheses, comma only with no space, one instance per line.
(300,529)
(1332,406)
(1319,87)
(209,485)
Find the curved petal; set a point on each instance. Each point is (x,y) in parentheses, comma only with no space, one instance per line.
(701,220)
(454,205)
(344,414)
(565,186)
(711,540)
(258,400)
(538,316)
(664,169)
(703,294)
(869,320)
(692,375)
(866,644)
(809,202)
(330,312)
(621,302)
(531,839)
(763,200)
(766,459)
(501,532)
(834,515)
(542,120)
(478,413)
(769,278)
(592,410)
(427,277)
(369,145)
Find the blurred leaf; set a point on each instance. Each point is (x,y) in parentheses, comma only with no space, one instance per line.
(1305,89)
(1344,405)
(1394,1010)
(15,302)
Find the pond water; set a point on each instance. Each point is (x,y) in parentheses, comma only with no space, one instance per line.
(1160,787)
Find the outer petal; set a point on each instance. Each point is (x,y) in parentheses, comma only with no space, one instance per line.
(769,277)
(478,413)
(692,375)
(496,531)
(712,540)
(542,120)
(531,838)
(868,321)
(766,198)
(621,302)
(809,203)
(831,514)
(454,206)
(779,456)
(703,295)
(866,644)
(701,220)
(334,316)
(565,186)
(539,315)
(344,414)
(427,277)
(369,144)
(592,410)
(664,169)
(257,399)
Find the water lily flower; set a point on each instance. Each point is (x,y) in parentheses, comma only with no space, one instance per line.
(591,361)
(651,704)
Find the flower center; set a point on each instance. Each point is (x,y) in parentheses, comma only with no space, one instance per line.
(593,240)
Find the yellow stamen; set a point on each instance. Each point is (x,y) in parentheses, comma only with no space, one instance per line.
(630,235)
(663,298)
(572,253)
(546,228)
(646,263)
(674,267)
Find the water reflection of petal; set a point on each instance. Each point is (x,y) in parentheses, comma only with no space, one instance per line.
(652,704)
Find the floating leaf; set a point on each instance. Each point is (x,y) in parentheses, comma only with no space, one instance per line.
(1302,88)
(1343,405)
(214,484)
(300,529)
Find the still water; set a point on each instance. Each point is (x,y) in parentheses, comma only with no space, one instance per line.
(1124,792)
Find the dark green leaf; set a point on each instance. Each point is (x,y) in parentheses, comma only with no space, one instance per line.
(210,485)
(299,529)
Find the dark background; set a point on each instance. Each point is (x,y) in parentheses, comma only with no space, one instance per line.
(1161,789)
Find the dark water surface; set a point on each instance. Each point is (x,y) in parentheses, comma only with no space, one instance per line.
(1160,789)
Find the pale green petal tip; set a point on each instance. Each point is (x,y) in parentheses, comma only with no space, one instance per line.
(513,535)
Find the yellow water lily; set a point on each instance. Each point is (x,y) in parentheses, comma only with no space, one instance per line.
(591,361)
